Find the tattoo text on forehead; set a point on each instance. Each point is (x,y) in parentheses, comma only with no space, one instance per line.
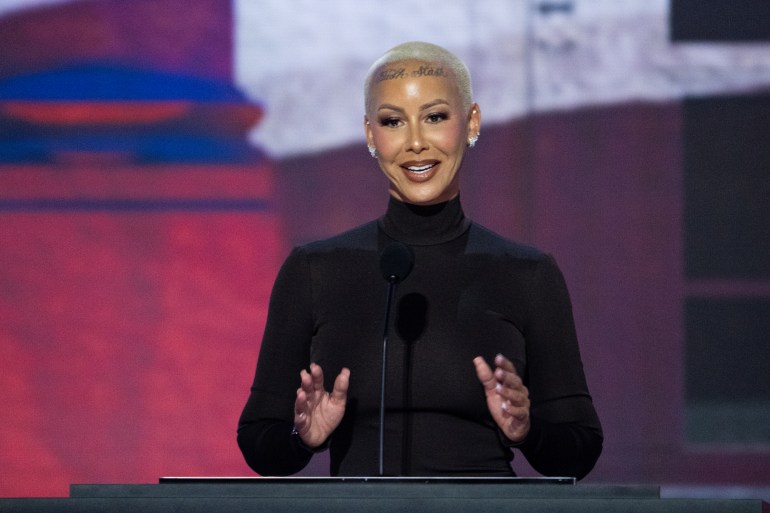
(400,73)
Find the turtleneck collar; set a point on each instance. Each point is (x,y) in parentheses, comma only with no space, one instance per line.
(424,225)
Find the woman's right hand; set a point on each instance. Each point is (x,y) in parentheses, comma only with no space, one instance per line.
(317,413)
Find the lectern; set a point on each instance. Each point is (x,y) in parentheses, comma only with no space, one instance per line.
(376,495)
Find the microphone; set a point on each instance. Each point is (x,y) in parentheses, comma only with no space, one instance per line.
(396,263)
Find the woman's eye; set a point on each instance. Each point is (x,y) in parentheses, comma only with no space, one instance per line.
(390,122)
(436,117)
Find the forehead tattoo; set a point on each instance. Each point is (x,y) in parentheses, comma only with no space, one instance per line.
(396,73)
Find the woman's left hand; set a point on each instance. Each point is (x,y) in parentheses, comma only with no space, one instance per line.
(507,397)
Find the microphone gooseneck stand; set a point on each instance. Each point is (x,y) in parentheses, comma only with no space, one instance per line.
(391,288)
(396,263)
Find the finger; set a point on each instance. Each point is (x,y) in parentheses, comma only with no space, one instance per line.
(504,363)
(519,417)
(512,382)
(317,373)
(516,407)
(508,376)
(484,373)
(306,381)
(300,409)
(519,412)
(510,385)
(515,398)
(340,391)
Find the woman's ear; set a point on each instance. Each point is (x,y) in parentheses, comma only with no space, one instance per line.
(474,121)
(368,132)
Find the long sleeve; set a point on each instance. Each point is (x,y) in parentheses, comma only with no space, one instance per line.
(566,436)
(264,428)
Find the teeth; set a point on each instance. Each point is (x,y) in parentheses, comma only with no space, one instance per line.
(420,169)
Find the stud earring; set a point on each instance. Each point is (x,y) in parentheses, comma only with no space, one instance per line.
(472,140)
(373,152)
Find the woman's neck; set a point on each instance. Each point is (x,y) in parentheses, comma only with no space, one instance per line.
(424,225)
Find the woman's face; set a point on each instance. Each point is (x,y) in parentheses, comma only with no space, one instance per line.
(420,128)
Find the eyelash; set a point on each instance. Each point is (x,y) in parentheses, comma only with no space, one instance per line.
(440,116)
(389,122)
(432,118)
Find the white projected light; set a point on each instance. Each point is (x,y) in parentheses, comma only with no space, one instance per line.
(306,61)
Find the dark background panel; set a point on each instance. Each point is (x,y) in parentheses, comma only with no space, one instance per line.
(727,186)
(727,349)
(720,20)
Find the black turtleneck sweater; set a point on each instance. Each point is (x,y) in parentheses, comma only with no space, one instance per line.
(470,293)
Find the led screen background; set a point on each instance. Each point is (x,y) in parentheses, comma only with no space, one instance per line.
(158,160)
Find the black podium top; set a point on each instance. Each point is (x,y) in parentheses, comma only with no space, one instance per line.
(371,495)
(368,487)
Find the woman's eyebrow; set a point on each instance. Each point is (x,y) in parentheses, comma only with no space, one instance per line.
(439,101)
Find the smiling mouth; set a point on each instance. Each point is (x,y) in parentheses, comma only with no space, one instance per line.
(420,169)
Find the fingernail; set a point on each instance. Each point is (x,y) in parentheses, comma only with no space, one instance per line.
(499,387)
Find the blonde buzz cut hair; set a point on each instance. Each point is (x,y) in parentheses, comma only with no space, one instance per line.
(427,53)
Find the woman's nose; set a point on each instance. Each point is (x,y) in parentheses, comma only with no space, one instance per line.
(416,139)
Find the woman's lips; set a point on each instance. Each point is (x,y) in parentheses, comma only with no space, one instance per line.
(420,171)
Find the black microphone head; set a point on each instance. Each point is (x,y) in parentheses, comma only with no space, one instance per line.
(396,262)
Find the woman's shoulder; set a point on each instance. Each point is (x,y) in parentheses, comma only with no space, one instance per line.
(483,240)
(363,237)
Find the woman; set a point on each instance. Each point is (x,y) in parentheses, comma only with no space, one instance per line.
(483,355)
